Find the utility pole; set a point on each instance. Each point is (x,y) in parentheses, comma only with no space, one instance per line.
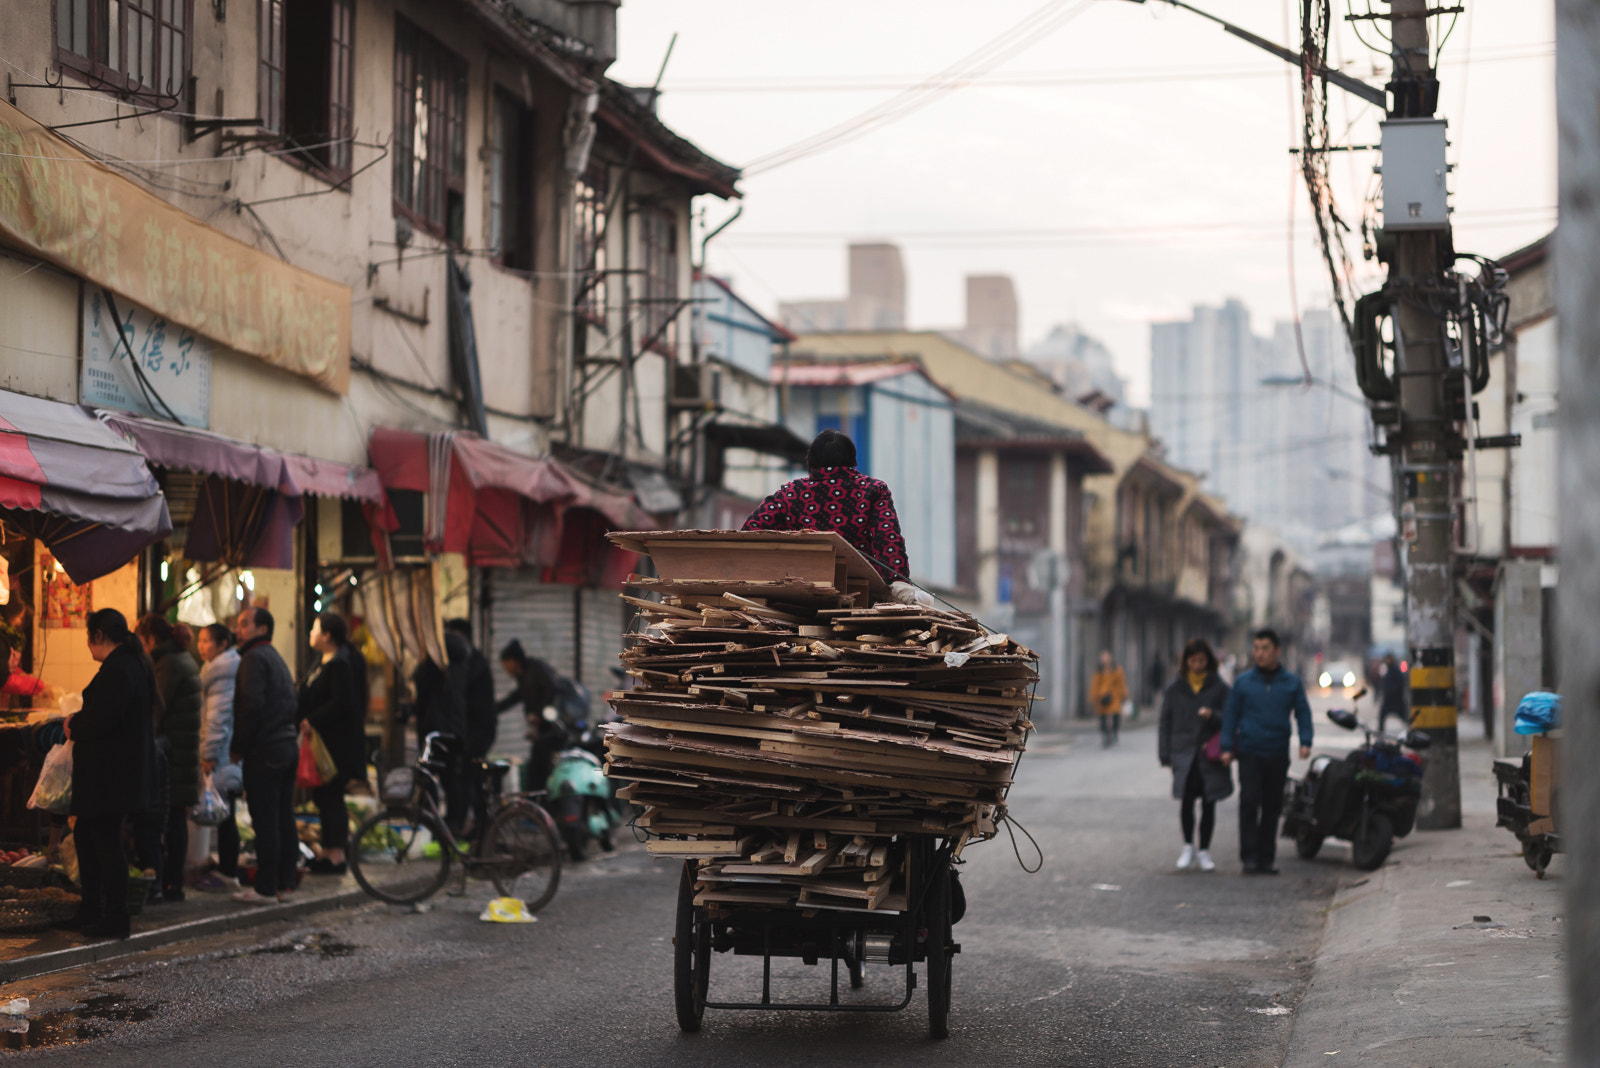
(1577,274)
(1420,404)
(1428,446)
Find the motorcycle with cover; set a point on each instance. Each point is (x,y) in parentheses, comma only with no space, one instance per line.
(1368,798)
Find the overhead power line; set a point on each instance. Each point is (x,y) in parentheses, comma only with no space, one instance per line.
(1032,29)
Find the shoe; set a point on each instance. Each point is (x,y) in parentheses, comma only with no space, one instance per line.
(109,927)
(1186,858)
(79,921)
(217,883)
(1203,858)
(1266,869)
(324,866)
(1250,868)
(154,896)
(172,895)
(250,897)
(287,896)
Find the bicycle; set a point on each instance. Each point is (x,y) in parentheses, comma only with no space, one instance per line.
(403,852)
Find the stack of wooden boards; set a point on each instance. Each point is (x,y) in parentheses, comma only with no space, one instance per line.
(786,742)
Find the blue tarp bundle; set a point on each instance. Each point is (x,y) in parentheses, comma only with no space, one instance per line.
(1540,711)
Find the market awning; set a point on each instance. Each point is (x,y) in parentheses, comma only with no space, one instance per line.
(76,486)
(500,508)
(251,498)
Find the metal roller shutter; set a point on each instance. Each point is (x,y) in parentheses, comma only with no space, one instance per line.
(537,614)
(604,616)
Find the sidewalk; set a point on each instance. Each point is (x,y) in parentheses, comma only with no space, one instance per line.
(198,915)
(1405,978)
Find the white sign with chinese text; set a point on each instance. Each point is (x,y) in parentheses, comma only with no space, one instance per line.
(173,376)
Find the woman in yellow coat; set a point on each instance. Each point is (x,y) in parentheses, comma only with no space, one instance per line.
(1108,692)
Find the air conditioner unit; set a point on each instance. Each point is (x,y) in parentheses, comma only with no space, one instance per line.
(696,385)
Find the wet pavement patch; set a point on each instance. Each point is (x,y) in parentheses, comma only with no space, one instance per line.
(91,1018)
(322,943)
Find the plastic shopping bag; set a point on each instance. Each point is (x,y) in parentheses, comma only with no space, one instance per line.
(54,791)
(306,774)
(213,807)
(1538,713)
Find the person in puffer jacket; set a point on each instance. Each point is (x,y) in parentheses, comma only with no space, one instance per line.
(163,835)
(221,665)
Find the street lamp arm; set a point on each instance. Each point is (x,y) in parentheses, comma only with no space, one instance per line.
(1372,94)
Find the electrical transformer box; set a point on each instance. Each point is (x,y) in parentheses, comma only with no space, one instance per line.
(1414,171)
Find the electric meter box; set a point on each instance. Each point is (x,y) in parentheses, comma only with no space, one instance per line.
(1414,172)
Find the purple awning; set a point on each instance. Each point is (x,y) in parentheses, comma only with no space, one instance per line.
(76,486)
(251,498)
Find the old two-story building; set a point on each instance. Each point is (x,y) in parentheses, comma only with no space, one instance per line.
(1070,532)
(381,296)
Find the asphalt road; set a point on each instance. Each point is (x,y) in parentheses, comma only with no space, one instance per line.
(1107,956)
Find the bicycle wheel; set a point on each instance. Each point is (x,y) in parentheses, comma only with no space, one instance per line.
(388,856)
(521,855)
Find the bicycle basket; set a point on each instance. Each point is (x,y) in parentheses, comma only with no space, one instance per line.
(400,786)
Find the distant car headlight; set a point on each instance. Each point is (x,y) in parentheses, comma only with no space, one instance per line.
(1325,680)
(1349,678)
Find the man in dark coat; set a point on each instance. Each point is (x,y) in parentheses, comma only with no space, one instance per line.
(442,706)
(1191,715)
(482,720)
(113,762)
(266,744)
(163,833)
(1392,693)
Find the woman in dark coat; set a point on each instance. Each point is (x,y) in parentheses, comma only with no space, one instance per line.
(1191,715)
(163,834)
(333,701)
(113,761)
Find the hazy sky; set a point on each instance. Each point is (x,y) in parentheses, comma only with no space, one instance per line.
(1122,166)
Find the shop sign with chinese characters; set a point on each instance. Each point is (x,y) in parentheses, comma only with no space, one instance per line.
(157,368)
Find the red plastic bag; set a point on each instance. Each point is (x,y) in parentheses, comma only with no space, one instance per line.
(306,774)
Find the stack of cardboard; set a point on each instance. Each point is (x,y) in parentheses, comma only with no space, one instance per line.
(785,725)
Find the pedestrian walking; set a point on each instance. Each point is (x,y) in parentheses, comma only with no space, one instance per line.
(1108,690)
(1256,731)
(1191,721)
(442,708)
(162,833)
(266,745)
(113,769)
(1392,693)
(333,702)
(219,666)
(535,691)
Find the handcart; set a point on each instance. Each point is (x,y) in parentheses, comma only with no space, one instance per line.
(920,932)
(1529,800)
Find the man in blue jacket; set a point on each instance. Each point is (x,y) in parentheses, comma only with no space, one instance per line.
(1255,731)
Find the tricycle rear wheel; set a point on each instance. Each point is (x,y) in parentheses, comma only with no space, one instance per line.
(691,956)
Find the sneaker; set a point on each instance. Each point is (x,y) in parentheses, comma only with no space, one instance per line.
(217,883)
(1186,858)
(250,897)
(1203,858)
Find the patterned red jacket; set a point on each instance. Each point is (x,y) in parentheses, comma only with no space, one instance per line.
(860,508)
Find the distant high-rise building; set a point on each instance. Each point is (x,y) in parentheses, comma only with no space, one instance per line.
(991,328)
(876,298)
(1292,457)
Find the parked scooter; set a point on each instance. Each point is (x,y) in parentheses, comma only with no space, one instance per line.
(579,794)
(1368,799)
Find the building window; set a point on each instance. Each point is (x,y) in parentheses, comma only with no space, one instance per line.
(590,244)
(304,78)
(430,111)
(511,183)
(139,45)
(658,247)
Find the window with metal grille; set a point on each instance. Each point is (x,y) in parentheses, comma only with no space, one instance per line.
(511,183)
(590,253)
(430,110)
(658,248)
(304,78)
(140,47)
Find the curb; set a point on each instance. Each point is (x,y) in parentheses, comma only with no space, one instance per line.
(247,917)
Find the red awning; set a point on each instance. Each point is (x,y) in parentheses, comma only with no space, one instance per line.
(76,486)
(498,507)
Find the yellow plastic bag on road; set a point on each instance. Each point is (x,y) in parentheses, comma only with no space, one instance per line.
(507,910)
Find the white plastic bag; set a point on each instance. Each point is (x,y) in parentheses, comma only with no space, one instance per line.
(213,807)
(54,791)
